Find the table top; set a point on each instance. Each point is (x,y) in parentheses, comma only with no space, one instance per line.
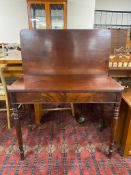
(67,83)
(13,58)
(51,52)
(126,95)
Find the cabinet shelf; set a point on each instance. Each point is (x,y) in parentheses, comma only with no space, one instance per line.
(47,13)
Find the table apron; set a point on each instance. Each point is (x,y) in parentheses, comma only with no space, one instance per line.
(64,97)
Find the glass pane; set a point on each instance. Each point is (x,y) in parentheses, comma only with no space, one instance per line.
(38,17)
(57,16)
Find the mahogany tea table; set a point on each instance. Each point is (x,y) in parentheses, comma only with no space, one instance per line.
(68,66)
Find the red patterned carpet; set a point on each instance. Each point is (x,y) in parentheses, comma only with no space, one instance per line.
(60,146)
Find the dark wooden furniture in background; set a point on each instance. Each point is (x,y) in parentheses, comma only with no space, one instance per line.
(118,72)
(13,69)
(118,38)
(124,123)
(13,64)
(120,64)
(65,66)
(47,14)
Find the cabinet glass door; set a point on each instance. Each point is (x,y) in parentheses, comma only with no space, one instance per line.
(38,17)
(57,16)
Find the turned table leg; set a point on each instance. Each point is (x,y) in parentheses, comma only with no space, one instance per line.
(18,131)
(114,128)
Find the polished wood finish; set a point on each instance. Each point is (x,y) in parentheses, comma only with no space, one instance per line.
(120,65)
(65,96)
(38,112)
(127,96)
(118,72)
(47,4)
(48,16)
(63,56)
(65,16)
(114,127)
(128,41)
(14,67)
(69,66)
(118,39)
(126,140)
(68,83)
(123,137)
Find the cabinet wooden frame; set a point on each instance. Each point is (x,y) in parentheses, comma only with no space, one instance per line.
(47,4)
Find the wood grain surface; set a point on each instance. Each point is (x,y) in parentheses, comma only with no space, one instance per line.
(65,52)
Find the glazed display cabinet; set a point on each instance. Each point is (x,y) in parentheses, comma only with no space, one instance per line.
(47,14)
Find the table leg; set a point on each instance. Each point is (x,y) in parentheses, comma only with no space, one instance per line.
(38,112)
(114,128)
(18,131)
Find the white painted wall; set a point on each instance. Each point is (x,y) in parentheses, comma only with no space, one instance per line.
(13,17)
(80,14)
(118,5)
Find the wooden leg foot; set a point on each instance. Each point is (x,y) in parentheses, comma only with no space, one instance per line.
(110,150)
(21,152)
(81,119)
